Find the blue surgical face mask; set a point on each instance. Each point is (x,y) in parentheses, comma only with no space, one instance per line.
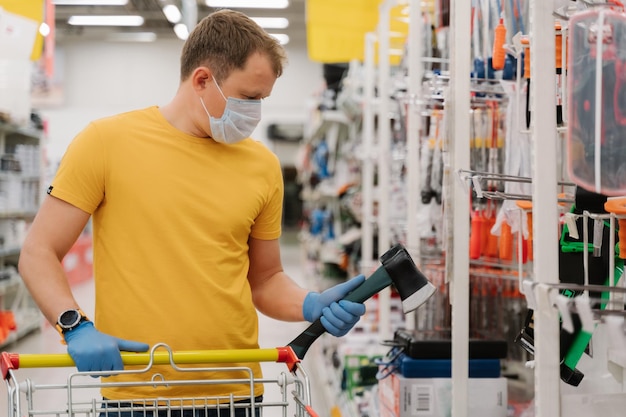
(240,118)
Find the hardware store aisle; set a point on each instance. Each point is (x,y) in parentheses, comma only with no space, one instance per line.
(272,334)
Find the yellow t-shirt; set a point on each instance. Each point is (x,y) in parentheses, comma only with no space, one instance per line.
(172,215)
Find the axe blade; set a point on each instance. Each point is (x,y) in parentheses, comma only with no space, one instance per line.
(413,287)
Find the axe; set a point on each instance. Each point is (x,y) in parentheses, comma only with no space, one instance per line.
(398,269)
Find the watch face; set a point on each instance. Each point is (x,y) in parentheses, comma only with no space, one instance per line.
(69,318)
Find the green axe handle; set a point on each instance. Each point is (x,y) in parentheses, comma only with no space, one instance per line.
(376,282)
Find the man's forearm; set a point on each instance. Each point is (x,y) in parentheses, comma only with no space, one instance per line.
(45,278)
(280,298)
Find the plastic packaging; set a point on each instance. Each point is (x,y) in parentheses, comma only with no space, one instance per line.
(596,132)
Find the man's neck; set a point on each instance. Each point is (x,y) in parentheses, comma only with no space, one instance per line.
(179,113)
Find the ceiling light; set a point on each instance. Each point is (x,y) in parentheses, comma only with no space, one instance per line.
(44,29)
(271,22)
(181,31)
(172,13)
(122,20)
(281,37)
(131,37)
(90,2)
(252,4)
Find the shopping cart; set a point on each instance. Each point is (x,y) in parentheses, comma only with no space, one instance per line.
(80,395)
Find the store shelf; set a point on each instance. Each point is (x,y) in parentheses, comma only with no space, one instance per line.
(21,215)
(9,284)
(27,321)
(329,119)
(10,252)
(25,314)
(333,394)
(4,175)
(20,191)
(26,133)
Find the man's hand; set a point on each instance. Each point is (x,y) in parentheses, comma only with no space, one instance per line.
(337,316)
(94,351)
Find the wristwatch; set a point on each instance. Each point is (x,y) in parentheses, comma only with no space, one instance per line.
(69,320)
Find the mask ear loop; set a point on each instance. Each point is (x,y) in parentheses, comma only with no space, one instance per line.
(218,88)
(204,107)
(207,113)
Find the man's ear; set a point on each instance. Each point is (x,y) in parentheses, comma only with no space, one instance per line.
(201,78)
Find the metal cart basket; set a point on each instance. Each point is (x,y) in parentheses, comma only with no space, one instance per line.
(80,395)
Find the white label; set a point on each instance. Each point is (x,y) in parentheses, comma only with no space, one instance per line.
(423,400)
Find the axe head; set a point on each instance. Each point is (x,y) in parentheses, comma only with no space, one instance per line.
(411,284)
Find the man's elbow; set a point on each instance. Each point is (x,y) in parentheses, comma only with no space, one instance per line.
(26,258)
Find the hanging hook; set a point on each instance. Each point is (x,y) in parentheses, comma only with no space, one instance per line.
(562,304)
(584,312)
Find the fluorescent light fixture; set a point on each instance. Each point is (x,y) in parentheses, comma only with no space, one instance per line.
(281,37)
(172,13)
(181,31)
(271,22)
(131,37)
(251,4)
(44,29)
(91,20)
(90,2)
(393,34)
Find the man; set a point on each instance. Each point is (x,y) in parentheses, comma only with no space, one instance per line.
(186,214)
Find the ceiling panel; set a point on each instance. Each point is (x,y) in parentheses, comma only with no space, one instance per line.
(154,19)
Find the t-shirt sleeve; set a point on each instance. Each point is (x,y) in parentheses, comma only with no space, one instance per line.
(80,177)
(267,225)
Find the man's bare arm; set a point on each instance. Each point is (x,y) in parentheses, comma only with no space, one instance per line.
(52,234)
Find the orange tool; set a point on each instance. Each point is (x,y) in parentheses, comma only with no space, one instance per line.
(526,43)
(491,247)
(558,43)
(617,206)
(506,242)
(478,222)
(498,54)
(485,231)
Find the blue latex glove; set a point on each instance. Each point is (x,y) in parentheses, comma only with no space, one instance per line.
(336,317)
(92,350)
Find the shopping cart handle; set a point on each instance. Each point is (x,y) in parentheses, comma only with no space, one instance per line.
(9,361)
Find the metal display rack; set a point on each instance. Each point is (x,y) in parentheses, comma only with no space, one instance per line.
(20,191)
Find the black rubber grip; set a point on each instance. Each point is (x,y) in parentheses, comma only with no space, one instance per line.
(378,281)
(303,342)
